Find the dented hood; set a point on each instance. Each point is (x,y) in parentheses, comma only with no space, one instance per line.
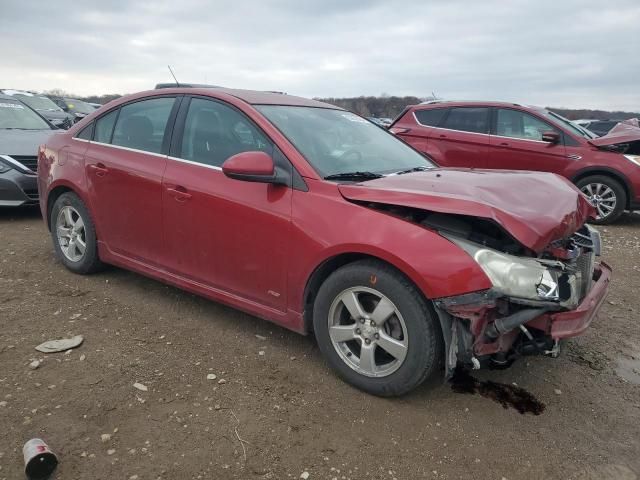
(621,133)
(535,208)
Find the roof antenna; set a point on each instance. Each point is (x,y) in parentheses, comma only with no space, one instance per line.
(174,77)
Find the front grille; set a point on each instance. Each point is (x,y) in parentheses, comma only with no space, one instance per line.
(585,265)
(32,193)
(31,162)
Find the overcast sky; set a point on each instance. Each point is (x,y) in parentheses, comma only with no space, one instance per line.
(562,53)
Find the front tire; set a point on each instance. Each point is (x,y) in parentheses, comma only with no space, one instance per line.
(607,195)
(74,234)
(376,330)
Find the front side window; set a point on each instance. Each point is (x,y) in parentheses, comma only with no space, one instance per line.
(339,142)
(141,125)
(468,119)
(214,132)
(431,117)
(104,127)
(516,124)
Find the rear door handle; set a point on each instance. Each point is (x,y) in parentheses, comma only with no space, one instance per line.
(504,144)
(100,169)
(179,193)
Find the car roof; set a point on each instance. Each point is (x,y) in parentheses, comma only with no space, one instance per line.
(472,103)
(252,97)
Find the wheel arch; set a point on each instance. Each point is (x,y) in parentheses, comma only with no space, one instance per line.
(607,172)
(55,192)
(330,265)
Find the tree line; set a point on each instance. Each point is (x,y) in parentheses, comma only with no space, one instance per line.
(389,106)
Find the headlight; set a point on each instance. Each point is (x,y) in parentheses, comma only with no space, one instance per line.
(4,167)
(633,158)
(514,276)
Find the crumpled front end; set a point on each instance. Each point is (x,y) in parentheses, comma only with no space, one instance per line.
(535,301)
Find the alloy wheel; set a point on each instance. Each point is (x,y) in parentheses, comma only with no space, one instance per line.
(368,332)
(71,233)
(602,197)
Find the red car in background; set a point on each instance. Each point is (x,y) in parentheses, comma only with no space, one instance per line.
(517,137)
(314,218)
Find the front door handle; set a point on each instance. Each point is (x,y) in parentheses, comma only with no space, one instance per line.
(179,193)
(99,169)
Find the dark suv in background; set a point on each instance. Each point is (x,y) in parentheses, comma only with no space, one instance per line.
(517,137)
(74,107)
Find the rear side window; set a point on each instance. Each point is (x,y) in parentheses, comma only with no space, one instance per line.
(516,124)
(104,127)
(141,125)
(468,119)
(214,132)
(431,117)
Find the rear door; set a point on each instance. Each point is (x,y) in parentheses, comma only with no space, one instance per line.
(462,138)
(516,143)
(224,233)
(416,127)
(124,165)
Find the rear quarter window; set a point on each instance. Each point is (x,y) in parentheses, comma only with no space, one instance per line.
(430,117)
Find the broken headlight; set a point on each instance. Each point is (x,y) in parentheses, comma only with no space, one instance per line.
(514,276)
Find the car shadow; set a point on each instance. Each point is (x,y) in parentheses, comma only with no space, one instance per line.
(629,220)
(19,213)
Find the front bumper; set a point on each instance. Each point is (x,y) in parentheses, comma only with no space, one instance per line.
(575,322)
(18,189)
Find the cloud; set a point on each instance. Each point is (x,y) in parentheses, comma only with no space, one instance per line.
(579,53)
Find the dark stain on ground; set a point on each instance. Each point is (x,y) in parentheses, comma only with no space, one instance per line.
(505,395)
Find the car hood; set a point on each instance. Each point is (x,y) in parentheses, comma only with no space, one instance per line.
(536,208)
(23,142)
(621,133)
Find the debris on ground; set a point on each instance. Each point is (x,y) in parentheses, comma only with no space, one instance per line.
(211,376)
(60,345)
(140,386)
(39,460)
(35,364)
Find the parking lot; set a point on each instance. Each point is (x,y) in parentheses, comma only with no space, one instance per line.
(274,409)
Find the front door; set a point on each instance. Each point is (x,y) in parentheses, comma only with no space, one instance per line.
(228,234)
(124,166)
(517,143)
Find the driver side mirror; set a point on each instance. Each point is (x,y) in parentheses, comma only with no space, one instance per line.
(551,137)
(252,167)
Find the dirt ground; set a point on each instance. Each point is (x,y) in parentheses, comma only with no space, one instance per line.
(275,410)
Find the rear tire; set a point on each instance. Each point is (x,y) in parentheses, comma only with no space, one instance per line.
(607,195)
(74,234)
(393,345)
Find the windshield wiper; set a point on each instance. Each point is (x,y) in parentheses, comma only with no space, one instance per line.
(414,169)
(354,175)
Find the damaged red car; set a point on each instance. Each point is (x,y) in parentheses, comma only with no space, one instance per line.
(311,217)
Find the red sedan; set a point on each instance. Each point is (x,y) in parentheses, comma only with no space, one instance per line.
(316,219)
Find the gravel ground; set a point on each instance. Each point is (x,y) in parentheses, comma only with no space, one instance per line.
(274,410)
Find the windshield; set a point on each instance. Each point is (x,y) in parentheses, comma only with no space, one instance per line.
(336,141)
(39,103)
(78,106)
(573,127)
(14,115)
